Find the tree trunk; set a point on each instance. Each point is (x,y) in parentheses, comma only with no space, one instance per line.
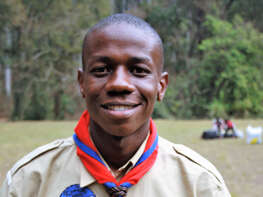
(58,112)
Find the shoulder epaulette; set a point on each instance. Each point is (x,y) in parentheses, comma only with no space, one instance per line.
(31,156)
(198,159)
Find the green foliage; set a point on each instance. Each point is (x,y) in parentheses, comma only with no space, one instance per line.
(172,28)
(37,108)
(66,106)
(231,70)
(161,111)
(217,109)
(249,10)
(46,39)
(213,56)
(216,63)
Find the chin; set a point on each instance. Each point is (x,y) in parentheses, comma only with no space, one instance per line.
(120,131)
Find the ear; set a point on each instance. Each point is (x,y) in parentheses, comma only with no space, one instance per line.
(162,86)
(81,82)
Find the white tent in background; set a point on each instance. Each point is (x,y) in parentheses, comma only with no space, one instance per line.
(254,135)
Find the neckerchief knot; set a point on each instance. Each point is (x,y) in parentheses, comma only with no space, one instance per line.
(117,191)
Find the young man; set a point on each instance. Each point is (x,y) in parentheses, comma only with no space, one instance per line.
(115,150)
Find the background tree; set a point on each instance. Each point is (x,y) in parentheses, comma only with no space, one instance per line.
(46,43)
(213,54)
(231,69)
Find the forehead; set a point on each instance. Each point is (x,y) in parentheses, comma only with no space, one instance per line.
(123,33)
(124,36)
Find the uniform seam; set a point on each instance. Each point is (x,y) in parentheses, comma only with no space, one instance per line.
(198,164)
(60,145)
(189,158)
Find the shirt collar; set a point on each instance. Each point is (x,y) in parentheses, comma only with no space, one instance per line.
(87,179)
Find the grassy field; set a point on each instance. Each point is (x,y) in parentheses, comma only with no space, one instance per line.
(240,164)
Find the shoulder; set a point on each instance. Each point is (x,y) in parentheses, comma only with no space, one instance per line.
(183,169)
(191,160)
(46,153)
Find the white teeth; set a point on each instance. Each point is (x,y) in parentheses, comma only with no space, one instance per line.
(119,107)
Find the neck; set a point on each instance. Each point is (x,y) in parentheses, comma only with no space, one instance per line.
(117,150)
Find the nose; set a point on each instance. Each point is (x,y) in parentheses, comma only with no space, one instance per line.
(119,82)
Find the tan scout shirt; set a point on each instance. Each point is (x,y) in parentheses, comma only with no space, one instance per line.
(50,169)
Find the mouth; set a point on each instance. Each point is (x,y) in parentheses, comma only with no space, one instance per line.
(119,107)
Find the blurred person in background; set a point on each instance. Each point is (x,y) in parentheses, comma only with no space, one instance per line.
(218,126)
(229,126)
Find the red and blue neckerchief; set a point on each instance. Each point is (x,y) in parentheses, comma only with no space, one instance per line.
(90,158)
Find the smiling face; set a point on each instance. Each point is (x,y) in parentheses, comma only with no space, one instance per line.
(122,78)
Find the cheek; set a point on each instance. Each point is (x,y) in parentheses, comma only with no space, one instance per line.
(93,87)
(93,90)
(148,90)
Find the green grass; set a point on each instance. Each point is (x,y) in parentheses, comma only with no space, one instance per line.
(240,164)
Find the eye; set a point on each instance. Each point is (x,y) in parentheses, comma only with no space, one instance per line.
(139,71)
(100,71)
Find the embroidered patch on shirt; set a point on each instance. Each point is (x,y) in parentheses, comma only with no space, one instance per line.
(77,191)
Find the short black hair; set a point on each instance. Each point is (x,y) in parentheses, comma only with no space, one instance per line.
(118,19)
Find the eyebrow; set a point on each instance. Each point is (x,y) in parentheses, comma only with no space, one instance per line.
(135,60)
(102,59)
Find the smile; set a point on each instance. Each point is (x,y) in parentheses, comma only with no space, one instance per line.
(119,107)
